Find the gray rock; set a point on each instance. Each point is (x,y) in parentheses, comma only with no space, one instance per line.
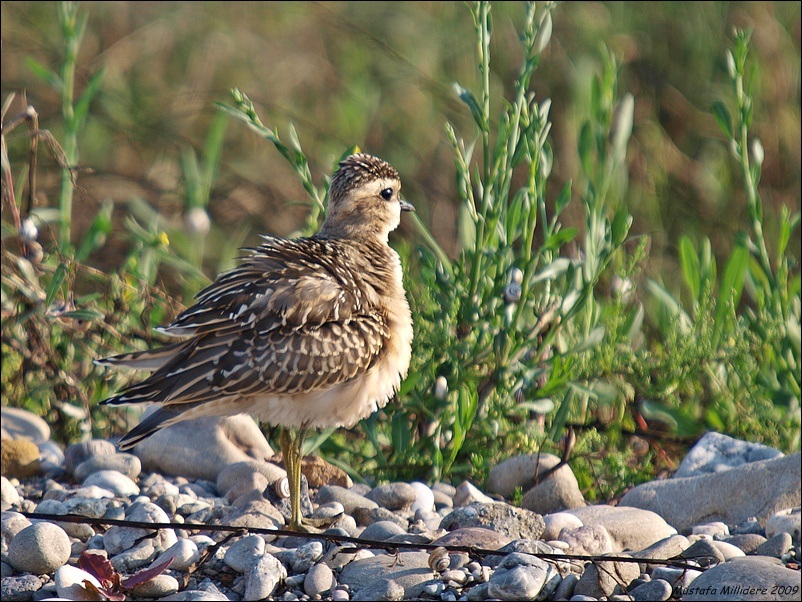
(517,523)
(382,530)
(234,474)
(201,448)
(424,497)
(133,559)
(557,521)
(39,549)
(319,580)
(8,493)
(714,529)
(747,542)
(787,520)
(93,508)
(776,546)
(127,464)
(477,537)
(368,516)
(111,480)
(747,578)
(195,595)
(519,472)
(664,549)
(467,494)
(716,453)
(703,551)
(728,550)
(393,496)
(20,587)
(629,528)
(409,570)
(593,540)
(70,583)
(521,577)
(263,577)
(255,513)
(603,578)
(772,486)
(244,552)
(184,554)
(157,587)
(78,453)
(381,590)
(118,539)
(305,556)
(12,523)
(349,499)
(657,589)
(22,424)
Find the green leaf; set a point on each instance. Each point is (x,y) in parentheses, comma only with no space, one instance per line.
(689,263)
(731,287)
(563,199)
(95,237)
(619,229)
(722,115)
(556,268)
(42,72)
(90,91)
(558,239)
(469,99)
(55,283)
(592,340)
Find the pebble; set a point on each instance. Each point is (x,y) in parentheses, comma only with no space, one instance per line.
(244,552)
(8,494)
(77,453)
(127,464)
(520,577)
(424,498)
(296,568)
(557,521)
(69,582)
(716,453)
(318,580)
(157,587)
(39,549)
(263,577)
(654,590)
(111,480)
(393,496)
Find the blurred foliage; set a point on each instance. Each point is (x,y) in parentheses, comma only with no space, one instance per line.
(582,164)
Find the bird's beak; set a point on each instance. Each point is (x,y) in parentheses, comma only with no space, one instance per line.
(406,206)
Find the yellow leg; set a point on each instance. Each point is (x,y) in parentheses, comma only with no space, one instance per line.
(291,451)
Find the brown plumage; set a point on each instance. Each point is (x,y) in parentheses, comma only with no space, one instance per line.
(305,333)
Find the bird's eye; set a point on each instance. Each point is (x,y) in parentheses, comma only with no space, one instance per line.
(387,194)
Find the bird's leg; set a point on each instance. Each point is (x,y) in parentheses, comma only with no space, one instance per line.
(292,453)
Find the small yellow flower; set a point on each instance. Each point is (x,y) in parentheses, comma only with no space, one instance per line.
(163,240)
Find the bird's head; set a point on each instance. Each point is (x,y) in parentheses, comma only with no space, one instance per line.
(364,199)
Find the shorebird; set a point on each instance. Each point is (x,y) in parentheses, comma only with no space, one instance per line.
(304,333)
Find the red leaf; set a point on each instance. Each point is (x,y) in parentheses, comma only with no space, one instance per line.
(104,593)
(146,575)
(99,567)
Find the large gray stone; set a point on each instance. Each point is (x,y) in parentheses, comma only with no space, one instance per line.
(716,453)
(746,578)
(629,528)
(756,489)
(517,523)
(410,570)
(201,448)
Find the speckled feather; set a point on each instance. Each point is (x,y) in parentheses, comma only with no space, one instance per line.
(319,322)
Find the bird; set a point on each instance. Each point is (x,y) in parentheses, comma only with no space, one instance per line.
(304,333)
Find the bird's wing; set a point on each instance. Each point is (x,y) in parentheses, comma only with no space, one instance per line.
(291,318)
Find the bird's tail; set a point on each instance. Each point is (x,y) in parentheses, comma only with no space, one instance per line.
(150,359)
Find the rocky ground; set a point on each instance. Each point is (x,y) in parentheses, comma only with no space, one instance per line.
(729,518)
